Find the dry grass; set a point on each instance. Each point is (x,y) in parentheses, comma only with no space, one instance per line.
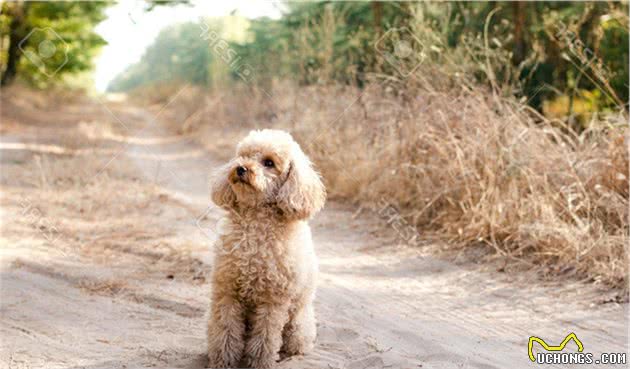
(459,161)
(462,165)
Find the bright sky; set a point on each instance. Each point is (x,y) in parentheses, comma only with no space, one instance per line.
(128,30)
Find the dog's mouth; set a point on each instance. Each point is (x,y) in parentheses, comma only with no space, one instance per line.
(238,181)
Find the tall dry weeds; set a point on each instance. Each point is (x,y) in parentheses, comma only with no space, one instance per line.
(459,165)
(466,167)
(469,164)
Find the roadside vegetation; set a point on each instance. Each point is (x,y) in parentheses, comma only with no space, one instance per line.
(500,124)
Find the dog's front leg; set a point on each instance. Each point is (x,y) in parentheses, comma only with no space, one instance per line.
(261,350)
(226,330)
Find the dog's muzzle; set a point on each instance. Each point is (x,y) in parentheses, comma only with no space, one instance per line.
(241,172)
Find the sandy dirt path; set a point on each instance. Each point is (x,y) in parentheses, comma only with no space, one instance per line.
(106,238)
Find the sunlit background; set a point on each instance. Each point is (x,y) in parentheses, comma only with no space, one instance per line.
(129,28)
(474,153)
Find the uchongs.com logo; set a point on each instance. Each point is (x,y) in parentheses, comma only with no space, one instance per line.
(558,355)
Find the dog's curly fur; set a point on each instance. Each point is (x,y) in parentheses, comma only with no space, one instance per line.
(263,280)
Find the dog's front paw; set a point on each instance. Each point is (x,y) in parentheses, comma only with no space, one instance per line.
(215,363)
(259,355)
(224,352)
(260,362)
(218,361)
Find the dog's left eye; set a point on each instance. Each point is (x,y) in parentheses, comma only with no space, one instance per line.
(268,163)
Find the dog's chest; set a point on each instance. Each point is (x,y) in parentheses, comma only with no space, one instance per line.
(256,260)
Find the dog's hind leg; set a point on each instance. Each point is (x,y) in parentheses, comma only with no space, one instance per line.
(299,333)
(226,331)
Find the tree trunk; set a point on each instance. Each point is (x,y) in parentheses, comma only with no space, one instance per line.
(519,12)
(17,32)
(377,14)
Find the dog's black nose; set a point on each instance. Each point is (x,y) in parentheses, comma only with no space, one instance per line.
(240,171)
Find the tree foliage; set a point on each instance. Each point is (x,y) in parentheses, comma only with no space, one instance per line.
(537,50)
(43,41)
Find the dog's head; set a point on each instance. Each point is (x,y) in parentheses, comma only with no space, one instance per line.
(270,169)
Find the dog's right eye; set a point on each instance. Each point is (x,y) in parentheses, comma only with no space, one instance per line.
(268,163)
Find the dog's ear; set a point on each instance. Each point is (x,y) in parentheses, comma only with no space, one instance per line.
(220,189)
(303,193)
